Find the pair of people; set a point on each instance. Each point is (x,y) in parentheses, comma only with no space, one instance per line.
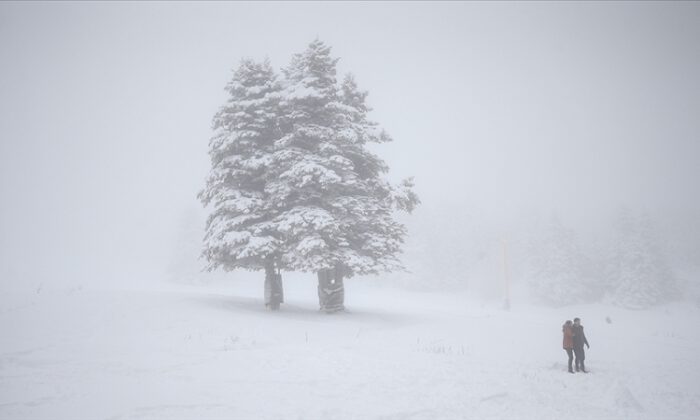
(574,340)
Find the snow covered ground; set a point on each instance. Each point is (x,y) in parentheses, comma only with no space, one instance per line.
(177,352)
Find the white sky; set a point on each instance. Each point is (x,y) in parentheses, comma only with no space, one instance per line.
(500,108)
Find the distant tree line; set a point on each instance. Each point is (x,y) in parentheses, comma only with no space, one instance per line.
(634,272)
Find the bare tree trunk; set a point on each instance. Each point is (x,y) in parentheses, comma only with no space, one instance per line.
(331,291)
(274,293)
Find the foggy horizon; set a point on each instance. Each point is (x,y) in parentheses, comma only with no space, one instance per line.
(501,112)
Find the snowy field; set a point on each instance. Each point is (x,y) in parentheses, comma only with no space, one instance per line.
(180,352)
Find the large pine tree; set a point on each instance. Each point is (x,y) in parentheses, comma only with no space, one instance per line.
(338,209)
(293,185)
(238,233)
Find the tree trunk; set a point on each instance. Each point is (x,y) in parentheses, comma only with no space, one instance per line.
(274,293)
(331,291)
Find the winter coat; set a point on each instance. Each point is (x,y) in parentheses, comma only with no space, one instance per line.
(568,336)
(579,337)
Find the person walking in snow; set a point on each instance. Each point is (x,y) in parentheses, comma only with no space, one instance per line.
(568,331)
(579,341)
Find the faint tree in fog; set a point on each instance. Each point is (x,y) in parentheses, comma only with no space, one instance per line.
(239,232)
(337,209)
(638,273)
(560,272)
(183,266)
(682,231)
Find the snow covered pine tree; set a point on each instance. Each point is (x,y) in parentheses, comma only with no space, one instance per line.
(292,184)
(336,209)
(238,233)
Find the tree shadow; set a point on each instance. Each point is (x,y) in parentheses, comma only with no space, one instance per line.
(302,312)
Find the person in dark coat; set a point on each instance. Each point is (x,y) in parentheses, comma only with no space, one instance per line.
(579,341)
(568,331)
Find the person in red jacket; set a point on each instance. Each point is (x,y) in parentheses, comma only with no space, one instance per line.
(568,331)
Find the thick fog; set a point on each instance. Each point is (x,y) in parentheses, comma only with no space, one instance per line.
(555,149)
(507,115)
